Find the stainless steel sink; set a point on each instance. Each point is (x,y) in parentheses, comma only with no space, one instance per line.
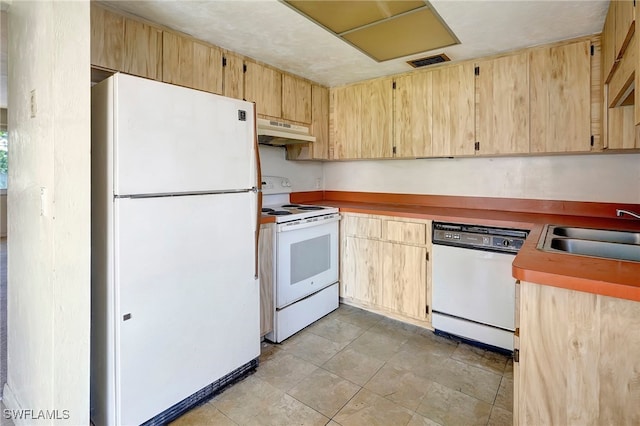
(623,237)
(597,248)
(602,243)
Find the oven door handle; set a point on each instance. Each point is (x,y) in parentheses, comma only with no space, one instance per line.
(294,226)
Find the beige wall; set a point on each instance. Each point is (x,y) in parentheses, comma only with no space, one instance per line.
(48,260)
(606,178)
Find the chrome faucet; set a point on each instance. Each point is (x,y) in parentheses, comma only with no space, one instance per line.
(623,212)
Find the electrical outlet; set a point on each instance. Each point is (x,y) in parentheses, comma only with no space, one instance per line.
(34,105)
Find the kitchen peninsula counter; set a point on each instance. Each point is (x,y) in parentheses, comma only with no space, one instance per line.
(620,279)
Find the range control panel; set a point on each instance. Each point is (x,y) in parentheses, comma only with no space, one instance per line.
(479,237)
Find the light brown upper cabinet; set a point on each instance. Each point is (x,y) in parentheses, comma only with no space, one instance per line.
(318,150)
(560,90)
(625,24)
(320,122)
(619,27)
(345,122)
(502,105)
(377,119)
(142,49)
(296,99)
(413,115)
(189,63)
(361,120)
(233,79)
(207,68)
(263,85)
(609,42)
(453,110)
(107,38)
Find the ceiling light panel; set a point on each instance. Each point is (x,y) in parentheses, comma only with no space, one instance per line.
(404,35)
(383,30)
(341,16)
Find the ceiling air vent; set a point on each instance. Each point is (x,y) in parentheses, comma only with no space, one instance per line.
(430,60)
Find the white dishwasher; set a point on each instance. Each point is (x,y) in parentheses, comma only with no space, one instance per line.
(473,288)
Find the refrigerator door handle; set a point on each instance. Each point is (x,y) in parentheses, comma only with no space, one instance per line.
(258,189)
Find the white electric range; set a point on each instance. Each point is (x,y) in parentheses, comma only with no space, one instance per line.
(306,259)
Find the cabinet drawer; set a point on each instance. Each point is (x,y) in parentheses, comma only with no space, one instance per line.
(366,227)
(406,232)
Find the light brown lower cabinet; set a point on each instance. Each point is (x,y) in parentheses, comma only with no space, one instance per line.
(267,275)
(579,358)
(384,265)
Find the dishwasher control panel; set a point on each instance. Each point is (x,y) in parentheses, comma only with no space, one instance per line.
(488,238)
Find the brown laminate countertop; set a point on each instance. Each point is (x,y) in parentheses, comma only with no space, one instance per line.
(607,277)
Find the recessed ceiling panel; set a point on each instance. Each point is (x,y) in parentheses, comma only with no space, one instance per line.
(341,16)
(405,35)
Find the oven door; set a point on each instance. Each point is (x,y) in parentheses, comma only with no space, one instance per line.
(307,258)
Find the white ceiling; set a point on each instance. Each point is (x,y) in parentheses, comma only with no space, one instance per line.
(271,32)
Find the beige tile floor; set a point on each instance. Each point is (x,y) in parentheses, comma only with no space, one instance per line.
(353,367)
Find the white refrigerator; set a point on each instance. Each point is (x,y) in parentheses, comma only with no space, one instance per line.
(175,296)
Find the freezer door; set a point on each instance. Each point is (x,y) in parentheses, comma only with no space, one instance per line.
(187,303)
(171,139)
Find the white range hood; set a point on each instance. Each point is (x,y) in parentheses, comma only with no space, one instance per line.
(277,133)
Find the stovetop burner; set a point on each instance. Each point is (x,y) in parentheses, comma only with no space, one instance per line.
(279,213)
(310,208)
(266,210)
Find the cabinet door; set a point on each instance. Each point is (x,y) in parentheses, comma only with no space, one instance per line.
(263,85)
(188,63)
(107,38)
(453,110)
(233,76)
(404,274)
(266,258)
(560,90)
(345,118)
(502,118)
(377,119)
(177,59)
(296,99)
(625,24)
(207,68)
(413,114)
(609,53)
(320,122)
(621,131)
(142,50)
(361,270)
